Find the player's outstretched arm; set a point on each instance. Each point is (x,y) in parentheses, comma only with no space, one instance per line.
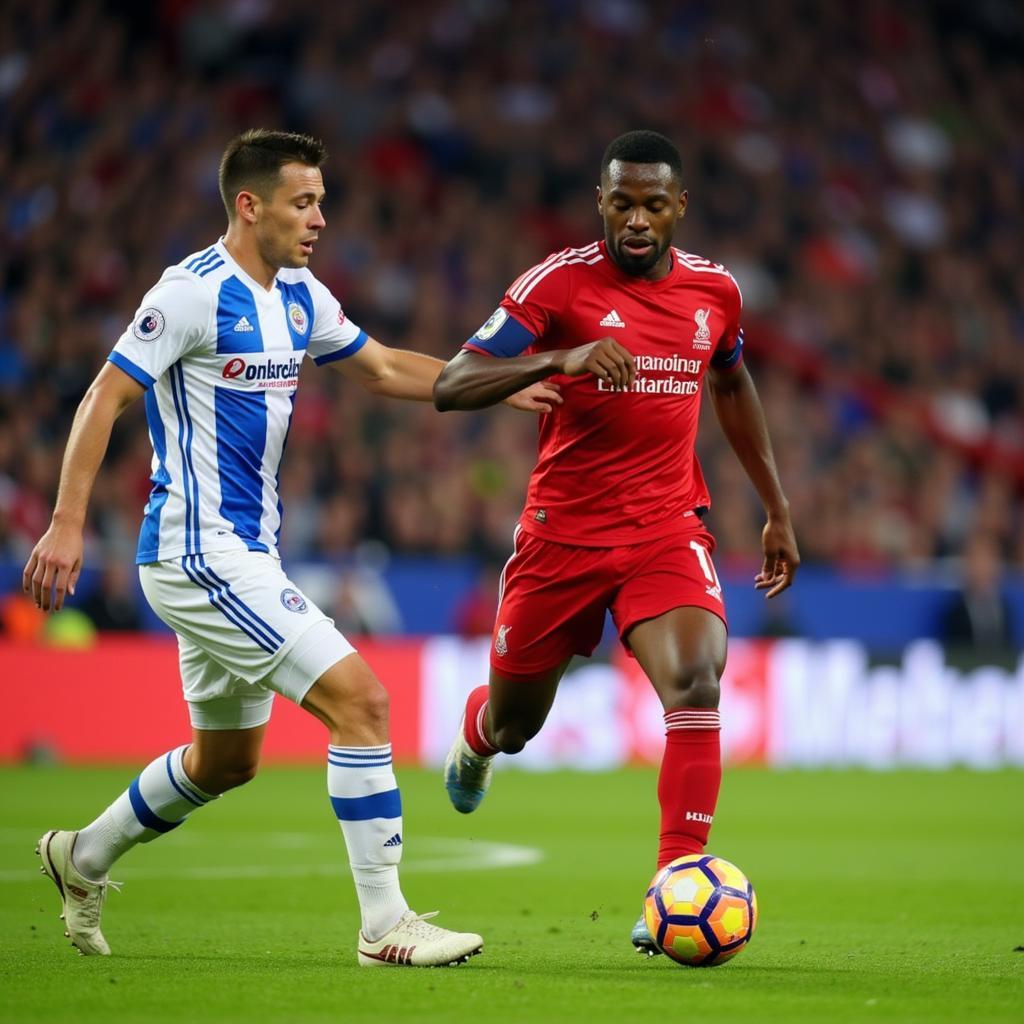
(475,381)
(398,373)
(53,567)
(739,411)
(393,372)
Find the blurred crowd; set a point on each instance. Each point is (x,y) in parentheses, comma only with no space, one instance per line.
(859,166)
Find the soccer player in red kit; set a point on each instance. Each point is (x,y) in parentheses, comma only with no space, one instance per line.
(614,509)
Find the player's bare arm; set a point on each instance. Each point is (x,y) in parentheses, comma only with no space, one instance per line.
(53,567)
(475,381)
(397,373)
(739,411)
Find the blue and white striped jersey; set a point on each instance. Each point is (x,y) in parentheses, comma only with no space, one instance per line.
(219,356)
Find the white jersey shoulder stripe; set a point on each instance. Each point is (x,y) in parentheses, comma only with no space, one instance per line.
(524,290)
(563,254)
(555,257)
(704,266)
(700,264)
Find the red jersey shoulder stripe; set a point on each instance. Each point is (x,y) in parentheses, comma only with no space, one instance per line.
(525,283)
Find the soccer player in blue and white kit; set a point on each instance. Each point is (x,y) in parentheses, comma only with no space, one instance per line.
(215,349)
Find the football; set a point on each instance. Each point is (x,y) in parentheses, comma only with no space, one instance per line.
(701,910)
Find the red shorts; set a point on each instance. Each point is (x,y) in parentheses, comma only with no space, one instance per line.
(553,597)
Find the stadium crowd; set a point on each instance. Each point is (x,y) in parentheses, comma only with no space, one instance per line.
(859,167)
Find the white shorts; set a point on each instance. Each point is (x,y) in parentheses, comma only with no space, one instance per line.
(245,632)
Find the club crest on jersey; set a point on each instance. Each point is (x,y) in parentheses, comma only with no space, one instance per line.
(500,643)
(297,318)
(493,324)
(293,601)
(702,336)
(149,324)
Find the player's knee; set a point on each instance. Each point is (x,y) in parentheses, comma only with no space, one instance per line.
(239,774)
(364,706)
(219,778)
(695,686)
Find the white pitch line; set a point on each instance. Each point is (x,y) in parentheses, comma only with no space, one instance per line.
(445,855)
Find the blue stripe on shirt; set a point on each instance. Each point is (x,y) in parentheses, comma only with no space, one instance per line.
(149,535)
(184,463)
(202,257)
(137,373)
(349,350)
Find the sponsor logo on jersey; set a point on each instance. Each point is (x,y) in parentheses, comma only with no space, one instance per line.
(265,372)
(655,386)
(702,336)
(341,317)
(297,316)
(243,326)
(493,324)
(149,324)
(500,643)
(612,319)
(293,601)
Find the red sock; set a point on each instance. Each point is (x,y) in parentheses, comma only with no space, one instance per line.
(691,773)
(476,716)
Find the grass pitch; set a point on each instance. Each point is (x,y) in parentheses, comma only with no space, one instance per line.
(884,897)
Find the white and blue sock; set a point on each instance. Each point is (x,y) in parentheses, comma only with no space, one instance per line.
(158,800)
(366,801)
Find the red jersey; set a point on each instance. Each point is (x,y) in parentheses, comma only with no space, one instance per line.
(617,468)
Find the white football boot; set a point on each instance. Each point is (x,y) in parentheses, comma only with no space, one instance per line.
(415,943)
(81,897)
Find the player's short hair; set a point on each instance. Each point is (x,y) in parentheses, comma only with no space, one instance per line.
(253,162)
(644,147)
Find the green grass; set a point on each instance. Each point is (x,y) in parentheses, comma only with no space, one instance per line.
(889,897)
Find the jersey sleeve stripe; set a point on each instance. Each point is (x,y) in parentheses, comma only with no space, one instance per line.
(525,291)
(542,268)
(699,264)
(349,350)
(137,374)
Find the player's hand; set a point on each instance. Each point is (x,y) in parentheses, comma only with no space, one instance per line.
(605,359)
(781,557)
(52,569)
(539,397)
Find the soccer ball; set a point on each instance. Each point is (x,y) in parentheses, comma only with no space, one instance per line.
(700,910)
